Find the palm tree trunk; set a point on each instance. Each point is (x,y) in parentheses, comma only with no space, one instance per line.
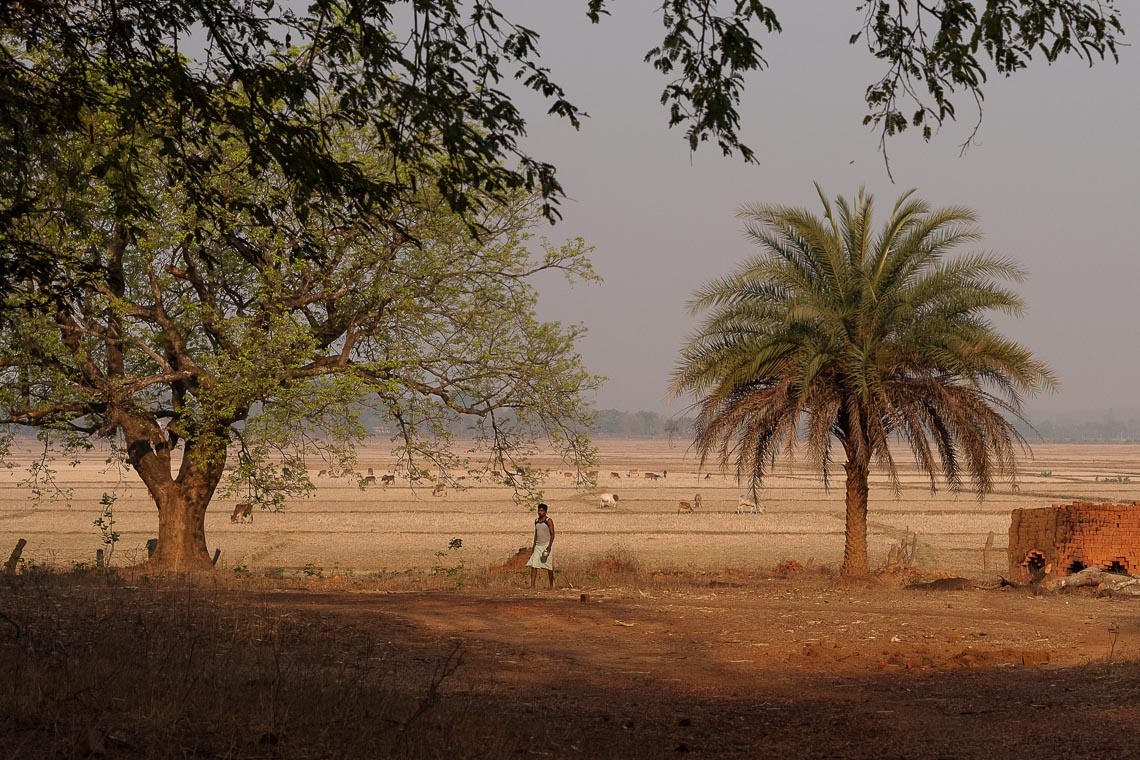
(855,545)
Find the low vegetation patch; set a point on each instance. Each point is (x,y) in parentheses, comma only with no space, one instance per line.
(133,671)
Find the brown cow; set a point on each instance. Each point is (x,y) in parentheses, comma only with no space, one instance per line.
(242,510)
(439,490)
(386,479)
(684,506)
(652,476)
(370,480)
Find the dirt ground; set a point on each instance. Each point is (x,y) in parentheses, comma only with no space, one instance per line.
(804,667)
(694,644)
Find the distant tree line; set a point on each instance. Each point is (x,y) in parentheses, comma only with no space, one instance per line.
(608,423)
(1094,427)
(1107,426)
(616,423)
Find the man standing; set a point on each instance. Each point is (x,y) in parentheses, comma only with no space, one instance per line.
(541,556)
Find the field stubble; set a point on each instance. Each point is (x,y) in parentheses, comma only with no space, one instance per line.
(395,529)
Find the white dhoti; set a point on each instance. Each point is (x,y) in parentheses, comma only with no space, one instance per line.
(542,557)
(540,560)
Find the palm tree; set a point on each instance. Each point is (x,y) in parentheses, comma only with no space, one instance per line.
(834,332)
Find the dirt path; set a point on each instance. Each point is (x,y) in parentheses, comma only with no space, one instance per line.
(797,668)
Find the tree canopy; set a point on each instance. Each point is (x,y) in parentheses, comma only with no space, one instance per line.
(837,332)
(427,81)
(187,337)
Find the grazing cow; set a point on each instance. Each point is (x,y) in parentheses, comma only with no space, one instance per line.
(370,480)
(286,472)
(242,510)
(322,473)
(615,475)
(592,474)
(746,505)
(609,500)
(633,472)
(684,506)
(439,490)
(386,479)
(652,476)
(708,475)
(697,501)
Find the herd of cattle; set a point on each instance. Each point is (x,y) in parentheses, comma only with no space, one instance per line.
(744,505)
(244,510)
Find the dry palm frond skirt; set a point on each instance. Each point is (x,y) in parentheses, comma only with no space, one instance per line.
(536,558)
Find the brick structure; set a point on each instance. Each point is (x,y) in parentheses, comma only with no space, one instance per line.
(1071,537)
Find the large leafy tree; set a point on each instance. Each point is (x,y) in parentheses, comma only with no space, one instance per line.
(840,333)
(191,338)
(426,79)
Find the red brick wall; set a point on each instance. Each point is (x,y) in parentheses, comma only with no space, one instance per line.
(1082,532)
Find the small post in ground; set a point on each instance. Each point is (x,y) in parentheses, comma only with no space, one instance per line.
(14,559)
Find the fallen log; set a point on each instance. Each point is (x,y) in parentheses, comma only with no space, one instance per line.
(1090,576)
(1007,583)
(1130,587)
(942,584)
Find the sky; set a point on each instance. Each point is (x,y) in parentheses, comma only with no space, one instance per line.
(1053,175)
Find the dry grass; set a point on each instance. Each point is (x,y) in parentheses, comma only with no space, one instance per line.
(98,669)
(254,667)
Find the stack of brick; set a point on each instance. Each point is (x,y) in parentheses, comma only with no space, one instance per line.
(1071,537)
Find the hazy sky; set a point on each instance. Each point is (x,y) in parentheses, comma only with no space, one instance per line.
(1054,176)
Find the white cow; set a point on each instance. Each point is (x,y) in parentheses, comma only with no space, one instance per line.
(746,505)
(609,500)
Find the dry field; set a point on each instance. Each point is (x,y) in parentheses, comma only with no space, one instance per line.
(347,529)
(625,659)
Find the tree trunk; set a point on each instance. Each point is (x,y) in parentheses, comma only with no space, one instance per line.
(181,500)
(181,537)
(855,545)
